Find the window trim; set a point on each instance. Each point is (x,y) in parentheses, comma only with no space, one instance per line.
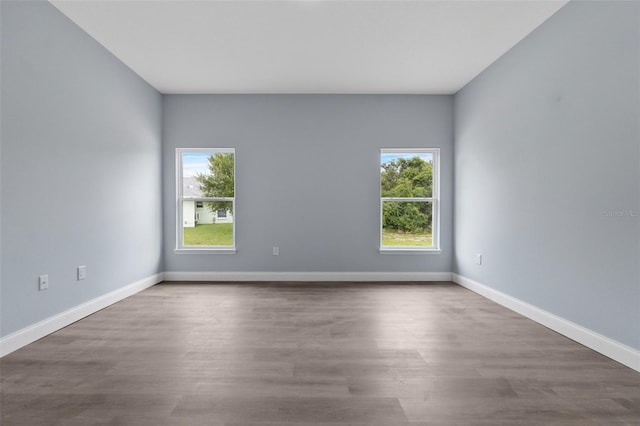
(434,199)
(180,248)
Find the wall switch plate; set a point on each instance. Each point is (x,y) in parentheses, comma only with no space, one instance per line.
(276,250)
(478,259)
(43,282)
(82,272)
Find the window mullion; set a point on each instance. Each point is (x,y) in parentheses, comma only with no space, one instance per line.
(208,198)
(408,199)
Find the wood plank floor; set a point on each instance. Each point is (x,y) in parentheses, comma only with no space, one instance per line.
(312,354)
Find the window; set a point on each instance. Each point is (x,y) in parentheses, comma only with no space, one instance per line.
(205,200)
(409,203)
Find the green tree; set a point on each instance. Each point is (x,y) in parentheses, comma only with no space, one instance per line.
(219,182)
(406,178)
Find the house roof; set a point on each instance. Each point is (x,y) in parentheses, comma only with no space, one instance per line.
(191,187)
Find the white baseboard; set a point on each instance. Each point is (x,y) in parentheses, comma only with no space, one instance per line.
(307,276)
(615,350)
(30,334)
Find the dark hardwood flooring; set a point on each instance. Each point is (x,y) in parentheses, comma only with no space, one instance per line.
(312,354)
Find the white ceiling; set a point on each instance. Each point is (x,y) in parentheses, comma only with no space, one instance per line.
(312,46)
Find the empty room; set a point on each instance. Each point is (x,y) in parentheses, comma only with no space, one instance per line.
(319,212)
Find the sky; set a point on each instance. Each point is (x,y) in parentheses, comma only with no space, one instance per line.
(392,156)
(194,162)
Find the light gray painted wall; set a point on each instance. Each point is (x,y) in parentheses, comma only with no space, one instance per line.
(307,171)
(548,141)
(81,167)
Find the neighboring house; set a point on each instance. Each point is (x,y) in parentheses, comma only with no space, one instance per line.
(198,212)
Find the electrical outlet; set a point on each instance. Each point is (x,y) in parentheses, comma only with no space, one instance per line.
(478,259)
(43,282)
(82,272)
(276,250)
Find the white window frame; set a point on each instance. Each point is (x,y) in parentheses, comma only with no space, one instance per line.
(434,199)
(180,198)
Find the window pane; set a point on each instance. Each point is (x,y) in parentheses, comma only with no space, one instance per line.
(407,224)
(206,174)
(204,226)
(406,174)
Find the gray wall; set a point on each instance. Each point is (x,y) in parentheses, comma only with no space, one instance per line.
(307,170)
(81,167)
(547,142)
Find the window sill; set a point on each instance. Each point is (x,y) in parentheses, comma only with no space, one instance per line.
(409,251)
(230,250)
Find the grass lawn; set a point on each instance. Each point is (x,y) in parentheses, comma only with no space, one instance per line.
(215,234)
(398,238)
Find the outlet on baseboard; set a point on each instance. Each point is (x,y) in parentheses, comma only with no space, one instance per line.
(478,259)
(82,272)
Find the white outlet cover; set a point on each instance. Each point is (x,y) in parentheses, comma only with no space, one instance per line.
(43,282)
(82,272)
